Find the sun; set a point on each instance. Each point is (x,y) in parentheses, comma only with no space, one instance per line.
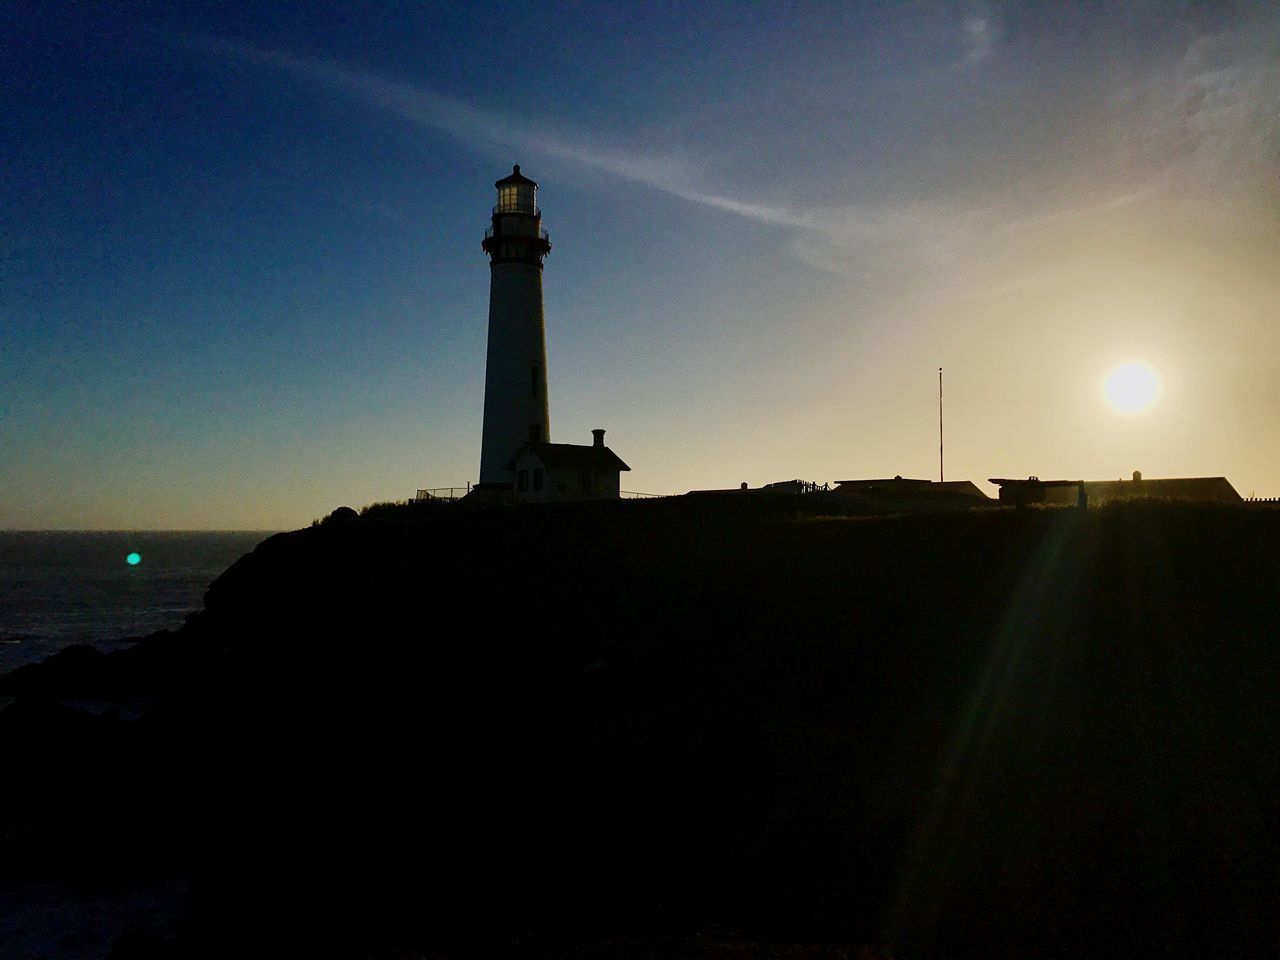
(1131,388)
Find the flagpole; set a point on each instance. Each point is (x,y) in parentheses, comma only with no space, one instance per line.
(941,473)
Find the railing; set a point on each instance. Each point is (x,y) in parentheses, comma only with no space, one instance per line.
(1275,500)
(542,234)
(450,494)
(442,493)
(796,486)
(515,208)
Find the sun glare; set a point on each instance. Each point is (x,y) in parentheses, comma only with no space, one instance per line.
(1131,387)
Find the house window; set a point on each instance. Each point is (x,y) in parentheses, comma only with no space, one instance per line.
(537,478)
(524,480)
(586,481)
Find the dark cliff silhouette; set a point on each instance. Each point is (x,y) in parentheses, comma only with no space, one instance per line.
(506,731)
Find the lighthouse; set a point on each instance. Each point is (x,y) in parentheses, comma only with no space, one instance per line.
(516,409)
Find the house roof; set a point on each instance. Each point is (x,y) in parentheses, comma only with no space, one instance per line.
(570,456)
(1033,482)
(904,481)
(906,486)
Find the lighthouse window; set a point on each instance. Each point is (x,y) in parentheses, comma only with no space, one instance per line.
(515,198)
(524,480)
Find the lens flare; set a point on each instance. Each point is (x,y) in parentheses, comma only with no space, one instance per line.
(1131,387)
(133,559)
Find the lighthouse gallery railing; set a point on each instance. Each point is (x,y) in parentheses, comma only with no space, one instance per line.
(542,233)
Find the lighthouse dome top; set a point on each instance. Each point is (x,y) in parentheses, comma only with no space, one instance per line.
(515,178)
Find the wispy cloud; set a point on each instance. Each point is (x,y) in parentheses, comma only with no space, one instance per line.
(827,237)
(980,34)
(1217,120)
(471,124)
(1216,111)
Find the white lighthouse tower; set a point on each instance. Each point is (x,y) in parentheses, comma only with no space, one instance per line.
(516,409)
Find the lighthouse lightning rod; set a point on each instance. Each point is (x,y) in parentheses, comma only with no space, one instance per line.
(941,474)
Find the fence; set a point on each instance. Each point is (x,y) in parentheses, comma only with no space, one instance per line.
(457,493)
(807,486)
(442,493)
(794,486)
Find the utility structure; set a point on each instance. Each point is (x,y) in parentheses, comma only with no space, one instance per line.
(516,408)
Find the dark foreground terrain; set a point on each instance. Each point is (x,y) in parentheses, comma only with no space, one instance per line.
(683,728)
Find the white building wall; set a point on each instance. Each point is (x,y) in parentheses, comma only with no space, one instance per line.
(563,484)
(515,383)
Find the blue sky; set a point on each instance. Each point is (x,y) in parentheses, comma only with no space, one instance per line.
(241,280)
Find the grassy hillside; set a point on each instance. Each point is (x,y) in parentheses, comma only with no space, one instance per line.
(512,730)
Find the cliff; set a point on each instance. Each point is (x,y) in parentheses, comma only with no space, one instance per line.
(516,731)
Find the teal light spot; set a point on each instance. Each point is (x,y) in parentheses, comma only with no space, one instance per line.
(133,559)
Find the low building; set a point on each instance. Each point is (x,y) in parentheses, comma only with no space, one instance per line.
(1199,489)
(545,472)
(1021,493)
(905,487)
(908,495)
(1095,492)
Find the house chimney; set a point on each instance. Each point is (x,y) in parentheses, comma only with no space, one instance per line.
(599,437)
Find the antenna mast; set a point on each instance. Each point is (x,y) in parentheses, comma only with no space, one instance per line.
(941,474)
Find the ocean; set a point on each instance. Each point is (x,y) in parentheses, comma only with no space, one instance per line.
(60,588)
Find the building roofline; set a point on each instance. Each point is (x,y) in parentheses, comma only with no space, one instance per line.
(603,456)
(515,177)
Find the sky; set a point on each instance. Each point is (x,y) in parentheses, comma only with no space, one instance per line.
(241,281)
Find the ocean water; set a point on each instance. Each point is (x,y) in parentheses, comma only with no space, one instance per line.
(61,588)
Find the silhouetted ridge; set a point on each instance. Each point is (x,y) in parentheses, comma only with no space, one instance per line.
(984,734)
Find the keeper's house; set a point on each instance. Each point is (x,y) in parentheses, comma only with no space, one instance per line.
(545,472)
